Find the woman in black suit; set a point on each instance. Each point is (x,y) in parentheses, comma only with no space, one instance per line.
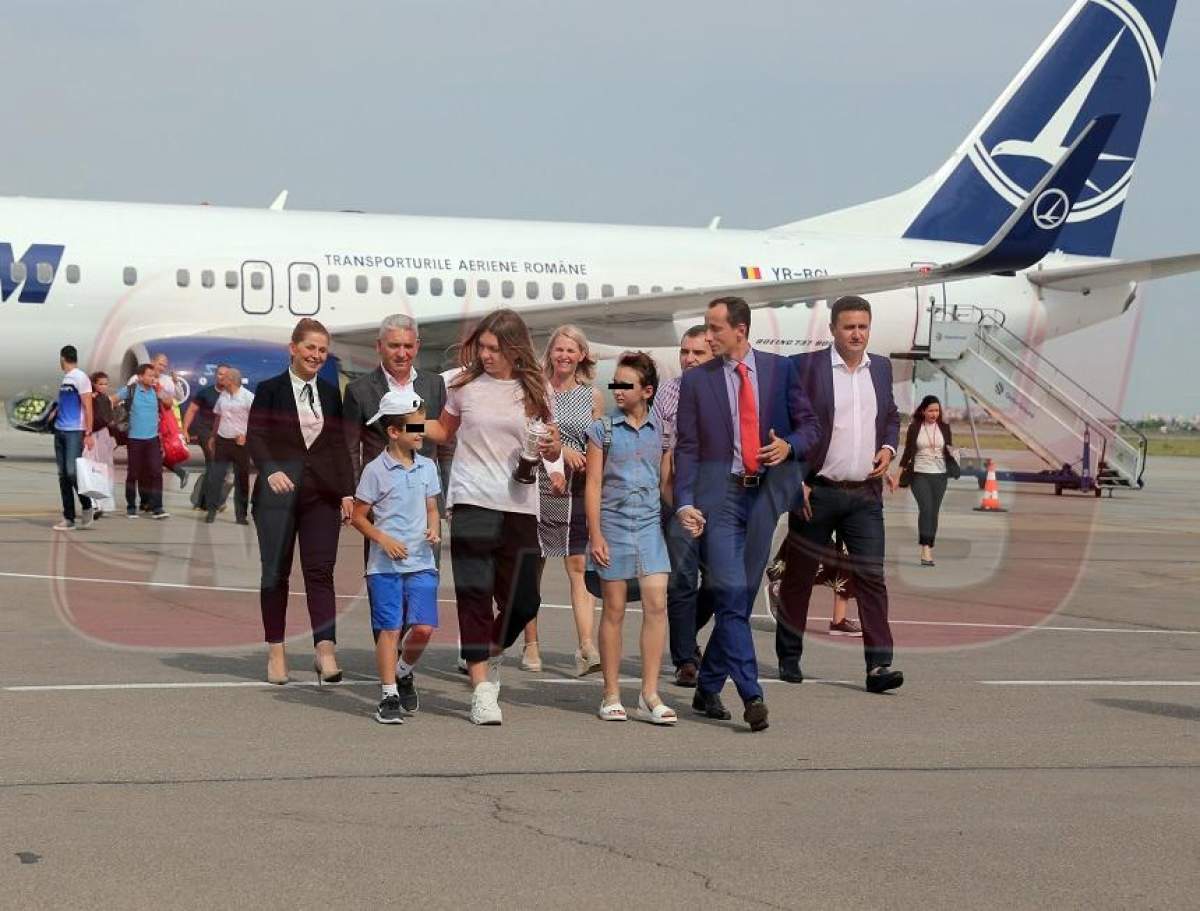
(927,462)
(305,489)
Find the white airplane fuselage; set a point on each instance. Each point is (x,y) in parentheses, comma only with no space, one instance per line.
(196,265)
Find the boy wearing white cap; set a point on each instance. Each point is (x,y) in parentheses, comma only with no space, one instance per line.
(400,488)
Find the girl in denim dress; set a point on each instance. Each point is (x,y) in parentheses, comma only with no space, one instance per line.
(625,530)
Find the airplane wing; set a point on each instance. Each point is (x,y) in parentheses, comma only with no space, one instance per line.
(1085,278)
(648,319)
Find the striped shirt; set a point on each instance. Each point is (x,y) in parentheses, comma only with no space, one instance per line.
(666,406)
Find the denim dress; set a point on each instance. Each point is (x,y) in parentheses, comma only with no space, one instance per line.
(630,506)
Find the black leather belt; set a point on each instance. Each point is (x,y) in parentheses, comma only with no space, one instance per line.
(820,481)
(745,480)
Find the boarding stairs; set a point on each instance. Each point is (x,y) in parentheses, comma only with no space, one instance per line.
(1085,444)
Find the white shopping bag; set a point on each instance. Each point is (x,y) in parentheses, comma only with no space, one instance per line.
(93,479)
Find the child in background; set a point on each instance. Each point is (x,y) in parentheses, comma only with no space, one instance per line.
(400,488)
(624,464)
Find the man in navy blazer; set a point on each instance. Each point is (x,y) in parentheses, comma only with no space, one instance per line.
(742,418)
(851,393)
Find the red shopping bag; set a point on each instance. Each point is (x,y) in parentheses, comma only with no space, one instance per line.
(174,449)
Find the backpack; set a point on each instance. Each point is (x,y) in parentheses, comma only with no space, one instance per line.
(591,578)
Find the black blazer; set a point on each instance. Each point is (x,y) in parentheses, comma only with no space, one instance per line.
(275,442)
(362,401)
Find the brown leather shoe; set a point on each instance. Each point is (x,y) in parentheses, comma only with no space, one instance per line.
(687,675)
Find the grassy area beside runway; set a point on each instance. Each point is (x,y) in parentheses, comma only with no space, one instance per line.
(1160,444)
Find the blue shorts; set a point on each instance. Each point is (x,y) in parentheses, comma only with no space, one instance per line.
(403,599)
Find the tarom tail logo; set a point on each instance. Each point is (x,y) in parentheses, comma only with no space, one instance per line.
(33,273)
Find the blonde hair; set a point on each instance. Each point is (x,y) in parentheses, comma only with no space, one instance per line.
(585,370)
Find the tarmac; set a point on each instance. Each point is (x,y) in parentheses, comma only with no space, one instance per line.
(1043,752)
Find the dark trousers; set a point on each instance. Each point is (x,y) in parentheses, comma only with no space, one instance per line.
(68,446)
(279,520)
(690,601)
(928,490)
(734,549)
(143,474)
(857,517)
(225,453)
(495,558)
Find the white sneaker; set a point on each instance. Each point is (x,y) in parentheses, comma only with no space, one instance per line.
(65,525)
(484,706)
(86,518)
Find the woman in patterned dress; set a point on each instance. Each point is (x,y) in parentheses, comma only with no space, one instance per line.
(562,525)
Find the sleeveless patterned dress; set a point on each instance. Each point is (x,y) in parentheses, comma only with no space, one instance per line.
(562,523)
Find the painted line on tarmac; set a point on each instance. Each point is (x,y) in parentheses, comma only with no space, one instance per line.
(205,685)
(597,681)
(1090,682)
(1032,627)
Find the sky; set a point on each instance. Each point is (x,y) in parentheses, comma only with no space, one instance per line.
(630,112)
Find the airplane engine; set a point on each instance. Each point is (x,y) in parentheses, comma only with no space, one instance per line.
(195,360)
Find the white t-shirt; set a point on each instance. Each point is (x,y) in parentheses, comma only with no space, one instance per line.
(489,442)
(235,413)
(74,386)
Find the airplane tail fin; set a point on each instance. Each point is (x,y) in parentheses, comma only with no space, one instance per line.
(1103,57)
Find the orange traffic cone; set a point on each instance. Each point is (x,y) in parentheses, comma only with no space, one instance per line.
(991,492)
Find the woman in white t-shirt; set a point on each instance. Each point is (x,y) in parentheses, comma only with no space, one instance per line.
(929,461)
(493,518)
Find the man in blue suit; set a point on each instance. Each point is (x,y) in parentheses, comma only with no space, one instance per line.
(742,418)
(851,393)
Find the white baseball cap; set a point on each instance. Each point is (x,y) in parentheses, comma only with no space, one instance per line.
(398,403)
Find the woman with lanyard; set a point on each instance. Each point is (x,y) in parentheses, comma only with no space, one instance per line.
(562,520)
(305,490)
(493,406)
(926,464)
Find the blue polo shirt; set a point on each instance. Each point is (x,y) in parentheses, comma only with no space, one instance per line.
(143,413)
(397,497)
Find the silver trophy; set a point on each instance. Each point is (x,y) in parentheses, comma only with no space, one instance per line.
(536,433)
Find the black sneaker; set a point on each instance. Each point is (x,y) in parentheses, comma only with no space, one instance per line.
(409,697)
(389,711)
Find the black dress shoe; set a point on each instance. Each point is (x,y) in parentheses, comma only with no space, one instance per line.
(790,673)
(686,675)
(710,705)
(756,714)
(882,679)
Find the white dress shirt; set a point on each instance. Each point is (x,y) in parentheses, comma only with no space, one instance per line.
(234,410)
(311,418)
(402,388)
(851,455)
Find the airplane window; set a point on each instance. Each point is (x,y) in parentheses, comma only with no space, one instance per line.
(73,274)
(183,278)
(606,291)
(411,285)
(581,292)
(387,284)
(810,304)
(531,290)
(333,283)
(129,275)
(483,288)
(17,272)
(231,279)
(360,284)
(256,281)
(679,287)
(303,282)
(506,288)
(435,286)
(632,290)
(45,273)
(557,290)
(207,278)
(460,288)
(655,289)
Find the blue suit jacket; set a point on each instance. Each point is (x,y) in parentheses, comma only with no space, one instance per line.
(704,425)
(814,371)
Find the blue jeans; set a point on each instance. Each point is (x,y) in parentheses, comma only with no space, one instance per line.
(68,446)
(690,601)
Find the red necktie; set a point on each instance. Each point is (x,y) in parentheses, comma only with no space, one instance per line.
(748,420)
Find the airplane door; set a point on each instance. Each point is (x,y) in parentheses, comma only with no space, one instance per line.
(304,289)
(931,305)
(258,287)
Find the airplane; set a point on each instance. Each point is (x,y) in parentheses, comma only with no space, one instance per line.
(1020,220)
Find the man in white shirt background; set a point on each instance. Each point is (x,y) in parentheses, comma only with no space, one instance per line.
(228,445)
(851,394)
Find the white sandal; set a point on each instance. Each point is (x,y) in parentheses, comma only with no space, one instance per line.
(660,714)
(612,711)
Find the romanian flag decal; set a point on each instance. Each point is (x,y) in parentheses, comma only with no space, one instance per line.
(751,272)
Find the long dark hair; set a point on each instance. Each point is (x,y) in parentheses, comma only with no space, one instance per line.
(918,419)
(517,347)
